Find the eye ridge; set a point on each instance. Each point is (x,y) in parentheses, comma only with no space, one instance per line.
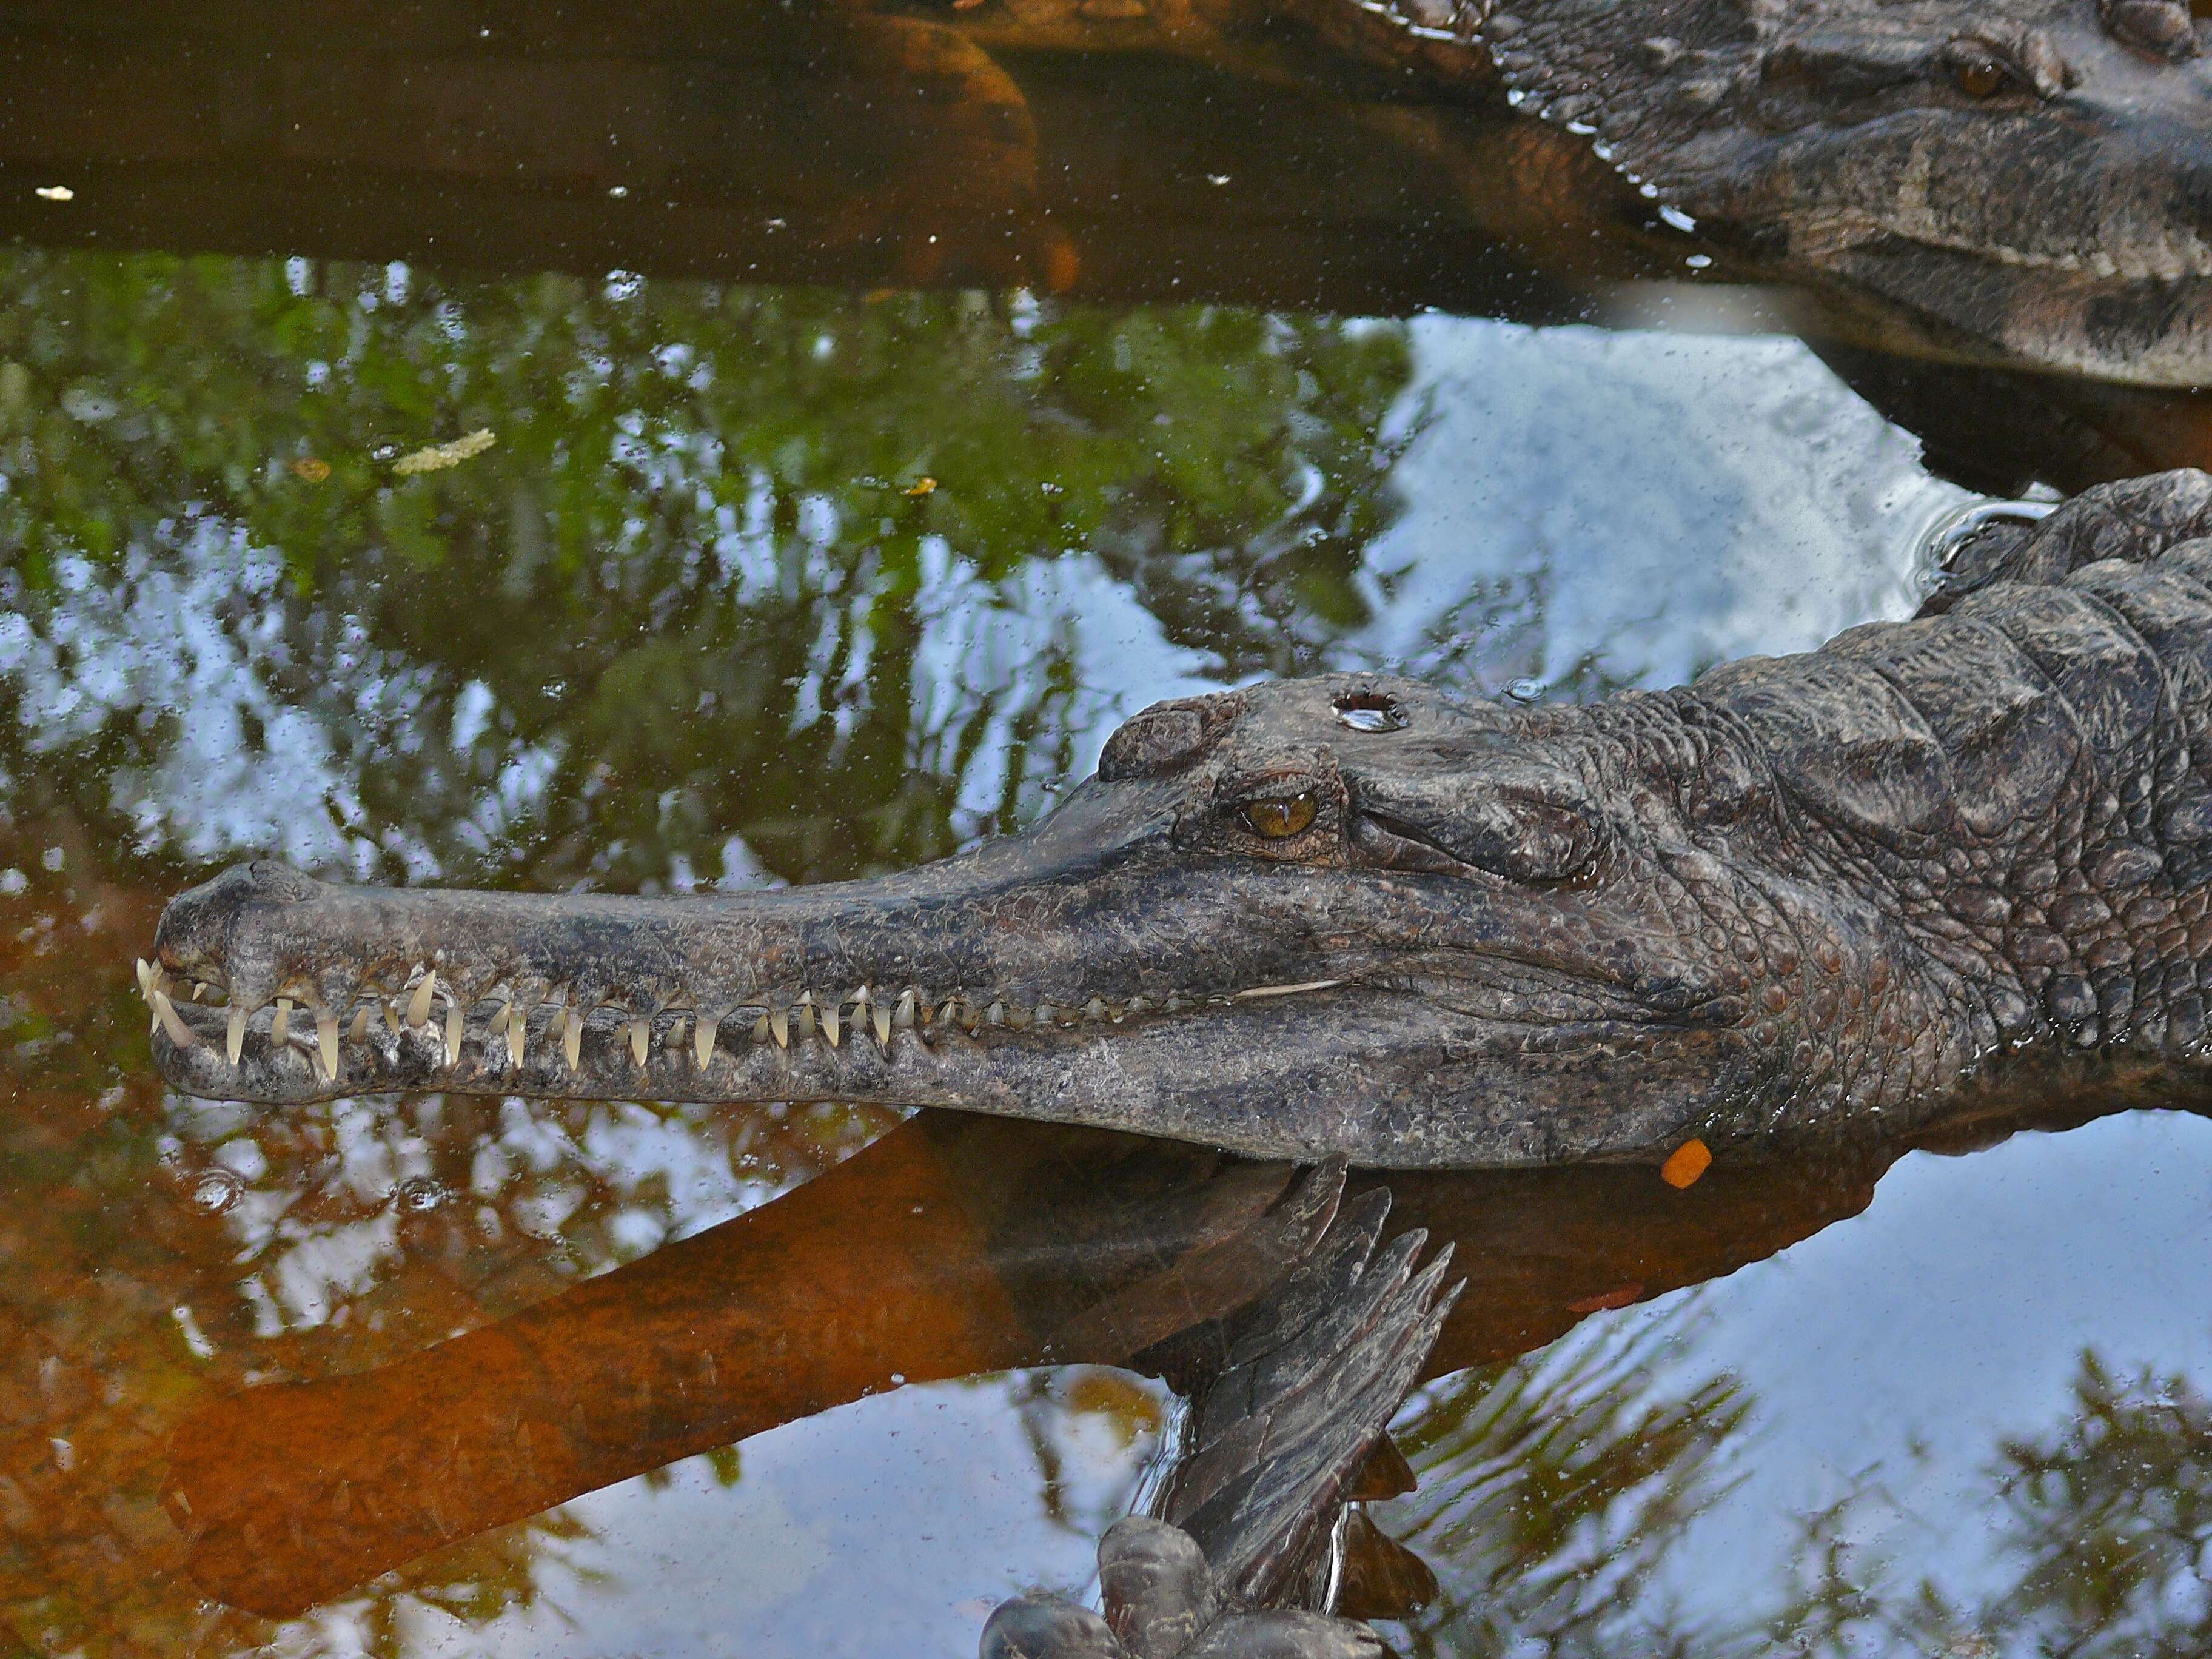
(1279,818)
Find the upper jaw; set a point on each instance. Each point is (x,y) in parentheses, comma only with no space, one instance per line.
(904,1051)
(332,990)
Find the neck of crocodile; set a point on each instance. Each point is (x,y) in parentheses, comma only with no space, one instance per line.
(1355,914)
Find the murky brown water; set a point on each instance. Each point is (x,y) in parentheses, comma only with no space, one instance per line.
(757,581)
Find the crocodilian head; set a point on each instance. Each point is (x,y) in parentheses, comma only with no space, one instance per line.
(2035,175)
(1346,913)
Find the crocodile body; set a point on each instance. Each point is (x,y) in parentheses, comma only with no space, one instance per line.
(1926,870)
(2029,176)
(2025,182)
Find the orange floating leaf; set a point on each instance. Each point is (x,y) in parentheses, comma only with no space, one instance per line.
(314,471)
(921,487)
(1685,1164)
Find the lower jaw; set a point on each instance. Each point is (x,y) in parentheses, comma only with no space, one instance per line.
(2150,332)
(1375,1076)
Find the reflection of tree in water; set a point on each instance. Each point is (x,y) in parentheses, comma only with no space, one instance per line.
(693,591)
(1553,1487)
(1076,1419)
(2101,1538)
(1556,1492)
(155,1251)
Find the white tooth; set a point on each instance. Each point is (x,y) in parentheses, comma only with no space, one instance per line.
(391,1016)
(1257,992)
(164,1011)
(806,1016)
(572,1037)
(360,1031)
(518,1033)
(146,980)
(1175,1000)
(1046,1013)
(883,1018)
(1094,1009)
(1138,1005)
(418,1005)
(280,1028)
(903,1016)
(702,1040)
(760,1029)
(1017,1016)
(779,1027)
(454,1028)
(326,1039)
(500,1015)
(995,1014)
(198,989)
(641,1035)
(237,1030)
(830,1025)
(949,1009)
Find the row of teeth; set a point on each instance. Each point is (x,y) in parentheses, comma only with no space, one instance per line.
(809,1018)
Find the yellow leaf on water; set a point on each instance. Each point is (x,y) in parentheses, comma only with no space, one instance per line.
(921,487)
(437,456)
(312,470)
(1685,1164)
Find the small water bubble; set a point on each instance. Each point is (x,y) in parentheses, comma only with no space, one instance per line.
(420,1194)
(1524,690)
(217,1190)
(1370,711)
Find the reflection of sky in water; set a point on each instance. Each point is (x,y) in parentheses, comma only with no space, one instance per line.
(1647,504)
(1901,1347)
(1627,508)
(893,1527)
(1888,1357)
(195,631)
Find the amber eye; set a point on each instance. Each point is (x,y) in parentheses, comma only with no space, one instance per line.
(1979,77)
(1279,816)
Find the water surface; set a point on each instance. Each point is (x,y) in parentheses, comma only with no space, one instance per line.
(768,584)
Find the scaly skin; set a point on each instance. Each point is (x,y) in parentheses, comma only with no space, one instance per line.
(2033,176)
(1932,866)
